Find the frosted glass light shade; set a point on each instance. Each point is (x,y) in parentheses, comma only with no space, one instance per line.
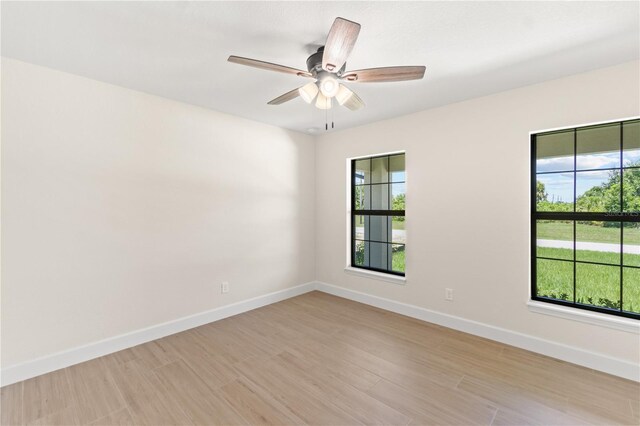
(343,95)
(322,102)
(308,92)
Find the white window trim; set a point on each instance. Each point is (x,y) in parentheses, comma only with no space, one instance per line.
(576,314)
(595,318)
(380,276)
(366,273)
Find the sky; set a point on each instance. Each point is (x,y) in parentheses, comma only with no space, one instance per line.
(559,186)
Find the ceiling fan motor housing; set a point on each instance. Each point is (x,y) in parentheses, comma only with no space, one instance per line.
(314,63)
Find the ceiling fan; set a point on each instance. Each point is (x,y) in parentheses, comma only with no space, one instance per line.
(327,68)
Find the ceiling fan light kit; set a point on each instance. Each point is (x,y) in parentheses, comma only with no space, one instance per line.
(327,68)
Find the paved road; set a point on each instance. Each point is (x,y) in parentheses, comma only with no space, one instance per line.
(399,235)
(606,247)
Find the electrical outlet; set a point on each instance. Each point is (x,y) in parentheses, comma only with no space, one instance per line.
(448,294)
(225,287)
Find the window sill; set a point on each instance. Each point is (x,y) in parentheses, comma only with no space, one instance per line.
(595,318)
(376,275)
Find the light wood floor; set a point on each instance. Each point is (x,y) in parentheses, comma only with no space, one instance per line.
(319,359)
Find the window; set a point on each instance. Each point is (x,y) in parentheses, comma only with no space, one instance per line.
(377,213)
(585,217)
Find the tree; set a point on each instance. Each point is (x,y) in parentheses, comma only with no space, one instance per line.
(606,197)
(541,193)
(631,189)
(602,198)
(398,202)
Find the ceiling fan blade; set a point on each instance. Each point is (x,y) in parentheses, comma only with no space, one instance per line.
(340,41)
(374,75)
(354,102)
(285,98)
(268,66)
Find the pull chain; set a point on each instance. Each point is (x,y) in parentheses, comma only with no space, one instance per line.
(326,120)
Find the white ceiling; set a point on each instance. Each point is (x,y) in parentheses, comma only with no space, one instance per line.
(179,49)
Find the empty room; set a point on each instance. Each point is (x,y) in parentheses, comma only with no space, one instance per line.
(320,213)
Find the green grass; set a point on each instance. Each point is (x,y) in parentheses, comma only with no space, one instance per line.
(557,230)
(597,285)
(398,260)
(398,224)
(589,256)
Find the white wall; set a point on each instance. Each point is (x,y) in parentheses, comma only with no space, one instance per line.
(468,202)
(123,210)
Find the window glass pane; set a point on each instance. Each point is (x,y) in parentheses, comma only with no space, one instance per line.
(598,191)
(380,170)
(631,188)
(555,192)
(598,242)
(554,239)
(378,183)
(380,197)
(555,279)
(363,171)
(631,290)
(397,257)
(598,285)
(362,227)
(397,196)
(377,228)
(396,167)
(378,255)
(361,253)
(554,152)
(398,234)
(362,194)
(585,262)
(598,147)
(631,248)
(631,143)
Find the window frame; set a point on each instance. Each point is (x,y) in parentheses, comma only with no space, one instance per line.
(387,213)
(575,216)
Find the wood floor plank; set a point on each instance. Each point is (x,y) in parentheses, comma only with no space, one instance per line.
(45,395)
(506,417)
(288,391)
(403,353)
(395,370)
(333,364)
(202,404)
(147,400)
(574,381)
(439,406)
(11,404)
(66,416)
(156,353)
(518,401)
(358,404)
(254,408)
(94,392)
(121,417)
(222,342)
(212,368)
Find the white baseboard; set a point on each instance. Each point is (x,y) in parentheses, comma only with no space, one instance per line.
(56,361)
(596,361)
(46,364)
